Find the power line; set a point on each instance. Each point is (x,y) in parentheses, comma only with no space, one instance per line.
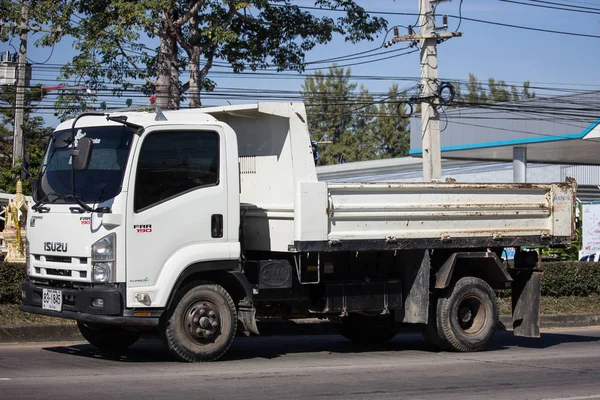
(526,27)
(551,7)
(566,5)
(371,61)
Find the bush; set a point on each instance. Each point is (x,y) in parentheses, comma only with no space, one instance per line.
(570,278)
(11,279)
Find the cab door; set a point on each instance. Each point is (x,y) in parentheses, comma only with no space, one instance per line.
(177,206)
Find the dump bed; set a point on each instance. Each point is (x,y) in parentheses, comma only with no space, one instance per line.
(362,216)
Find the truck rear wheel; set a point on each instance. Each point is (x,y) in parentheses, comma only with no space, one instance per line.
(467,317)
(430,329)
(108,337)
(368,329)
(202,324)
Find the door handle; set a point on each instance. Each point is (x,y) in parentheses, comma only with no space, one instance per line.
(216,226)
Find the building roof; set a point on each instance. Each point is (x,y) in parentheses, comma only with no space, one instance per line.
(555,130)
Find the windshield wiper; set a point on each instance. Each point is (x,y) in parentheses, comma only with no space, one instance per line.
(122,119)
(39,205)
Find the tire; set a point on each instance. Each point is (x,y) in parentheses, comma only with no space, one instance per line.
(368,329)
(430,329)
(467,317)
(108,337)
(202,324)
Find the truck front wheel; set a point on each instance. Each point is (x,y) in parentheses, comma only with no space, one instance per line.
(468,316)
(202,324)
(108,337)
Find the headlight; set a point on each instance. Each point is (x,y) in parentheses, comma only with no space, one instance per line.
(102,272)
(103,259)
(104,249)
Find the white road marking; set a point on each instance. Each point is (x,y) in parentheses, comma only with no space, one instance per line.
(591,397)
(5,379)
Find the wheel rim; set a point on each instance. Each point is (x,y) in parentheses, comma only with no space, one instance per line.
(202,322)
(471,315)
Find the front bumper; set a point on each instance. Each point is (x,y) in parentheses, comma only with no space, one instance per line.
(77,305)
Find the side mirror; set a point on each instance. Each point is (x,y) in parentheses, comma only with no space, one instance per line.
(82,154)
(62,141)
(25,167)
(33,185)
(315,150)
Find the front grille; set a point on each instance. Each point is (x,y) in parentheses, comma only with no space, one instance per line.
(58,272)
(60,267)
(58,259)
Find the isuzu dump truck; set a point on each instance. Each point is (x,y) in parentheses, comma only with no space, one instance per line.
(194,222)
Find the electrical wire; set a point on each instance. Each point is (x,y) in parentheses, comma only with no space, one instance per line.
(469,19)
(566,5)
(372,61)
(526,27)
(459,16)
(47,59)
(550,7)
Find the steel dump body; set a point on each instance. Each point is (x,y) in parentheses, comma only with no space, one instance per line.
(419,215)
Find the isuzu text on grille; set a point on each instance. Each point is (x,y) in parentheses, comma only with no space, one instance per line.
(55,246)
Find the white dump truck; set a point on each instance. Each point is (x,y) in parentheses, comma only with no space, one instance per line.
(194,222)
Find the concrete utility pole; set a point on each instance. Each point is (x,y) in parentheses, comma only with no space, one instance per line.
(21,81)
(20,87)
(430,117)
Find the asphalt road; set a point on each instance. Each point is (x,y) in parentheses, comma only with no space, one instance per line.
(563,364)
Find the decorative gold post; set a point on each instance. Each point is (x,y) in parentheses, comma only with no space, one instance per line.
(14,227)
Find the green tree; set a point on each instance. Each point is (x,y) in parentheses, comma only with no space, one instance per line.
(329,103)
(525,93)
(475,92)
(358,127)
(34,133)
(391,125)
(364,115)
(498,92)
(193,35)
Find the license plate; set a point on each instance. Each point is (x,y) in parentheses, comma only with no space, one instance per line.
(52,299)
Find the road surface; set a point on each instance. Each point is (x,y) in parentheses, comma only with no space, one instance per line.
(563,364)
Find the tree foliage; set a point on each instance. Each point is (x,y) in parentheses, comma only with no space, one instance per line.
(34,132)
(391,125)
(109,37)
(352,125)
(497,91)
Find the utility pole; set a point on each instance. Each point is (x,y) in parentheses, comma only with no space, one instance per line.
(428,38)
(21,81)
(20,87)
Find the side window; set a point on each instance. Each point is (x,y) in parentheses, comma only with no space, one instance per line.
(174,162)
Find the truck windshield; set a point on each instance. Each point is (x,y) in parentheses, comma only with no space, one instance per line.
(104,176)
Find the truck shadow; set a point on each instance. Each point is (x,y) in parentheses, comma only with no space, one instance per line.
(271,347)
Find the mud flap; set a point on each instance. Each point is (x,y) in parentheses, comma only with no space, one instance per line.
(526,294)
(247,317)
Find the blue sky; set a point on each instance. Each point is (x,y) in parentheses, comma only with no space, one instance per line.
(514,55)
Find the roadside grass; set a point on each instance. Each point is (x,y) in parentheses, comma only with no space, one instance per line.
(560,305)
(11,316)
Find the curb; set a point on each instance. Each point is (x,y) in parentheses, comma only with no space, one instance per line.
(39,333)
(313,326)
(560,320)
